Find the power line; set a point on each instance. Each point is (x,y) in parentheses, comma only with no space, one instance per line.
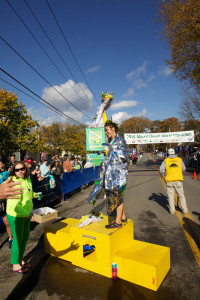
(55,49)
(42,76)
(41,45)
(31,96)
(70,48)
(39,96)
(36,40)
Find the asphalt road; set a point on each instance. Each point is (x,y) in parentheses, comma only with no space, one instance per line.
(146,204)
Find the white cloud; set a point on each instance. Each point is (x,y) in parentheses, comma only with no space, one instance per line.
(131,75)
(139,83)
(138,71)
(120,117)
(46,117)
(142,69)
(90,124)
(151,77)
(137,76)
(77,94)
(124,104)
(141,114)
(94,69)
(166,71)
(129,92)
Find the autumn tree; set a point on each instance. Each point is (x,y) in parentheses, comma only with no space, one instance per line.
(74,139)
(50,138)
(170,124)
(135,124)
(62,137)
(181,29)
(15,125)
(154,126)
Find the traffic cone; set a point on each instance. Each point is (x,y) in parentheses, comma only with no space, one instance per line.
(199,176)
(195,175)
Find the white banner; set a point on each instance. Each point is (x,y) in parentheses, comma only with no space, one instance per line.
(161,137)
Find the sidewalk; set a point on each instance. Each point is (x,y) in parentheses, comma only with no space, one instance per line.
(12,284)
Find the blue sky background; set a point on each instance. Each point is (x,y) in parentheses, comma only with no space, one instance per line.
(116,44)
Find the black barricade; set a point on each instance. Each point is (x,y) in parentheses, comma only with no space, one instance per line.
(48,194)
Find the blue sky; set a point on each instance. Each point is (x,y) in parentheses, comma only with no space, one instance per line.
(116,44)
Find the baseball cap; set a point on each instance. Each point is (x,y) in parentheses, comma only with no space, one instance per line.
(28,161)
(171,151)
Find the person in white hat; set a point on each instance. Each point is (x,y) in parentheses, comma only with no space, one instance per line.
(88,164)
(172,170)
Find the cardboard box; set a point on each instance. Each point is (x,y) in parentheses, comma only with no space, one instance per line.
(44,214)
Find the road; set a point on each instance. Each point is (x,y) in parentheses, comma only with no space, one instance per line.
(146,204)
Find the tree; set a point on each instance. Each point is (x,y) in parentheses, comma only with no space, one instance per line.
(15,125)
(56,137)
(154,126)
(135,124)
(181,21)
(170,124)
(74,139)
(190,105)
(50,138)
(193,124)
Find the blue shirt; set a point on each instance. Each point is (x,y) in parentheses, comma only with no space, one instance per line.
(45,172)
(3,176)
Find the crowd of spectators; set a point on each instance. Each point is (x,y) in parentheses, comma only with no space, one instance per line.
(189,154)
(46,167)
(51,165)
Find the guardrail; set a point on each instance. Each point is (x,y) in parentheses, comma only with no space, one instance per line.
(76,179)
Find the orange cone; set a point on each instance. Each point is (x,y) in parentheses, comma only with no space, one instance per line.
(199,176)
(195,175)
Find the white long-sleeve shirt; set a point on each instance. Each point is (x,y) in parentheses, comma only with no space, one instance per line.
(163,166)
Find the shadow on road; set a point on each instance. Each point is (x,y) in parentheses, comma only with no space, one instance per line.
(29,280)
(123,290)
(161,199)
(141,170)
(193,229)
(4,242)
(140,183)
(196,214)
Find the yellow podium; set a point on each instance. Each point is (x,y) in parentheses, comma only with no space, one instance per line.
(94,248)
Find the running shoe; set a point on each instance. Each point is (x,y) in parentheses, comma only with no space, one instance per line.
(113,225)
(124,220)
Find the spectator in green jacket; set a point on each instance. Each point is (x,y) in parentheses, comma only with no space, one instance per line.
(77,165)
(19,216)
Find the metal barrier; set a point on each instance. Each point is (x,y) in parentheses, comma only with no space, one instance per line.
(76,179)
(66,183)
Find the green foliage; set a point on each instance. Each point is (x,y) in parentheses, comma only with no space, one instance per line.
(15,125)
(65,137)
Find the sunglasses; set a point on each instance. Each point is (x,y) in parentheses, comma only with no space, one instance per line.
(21,169)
